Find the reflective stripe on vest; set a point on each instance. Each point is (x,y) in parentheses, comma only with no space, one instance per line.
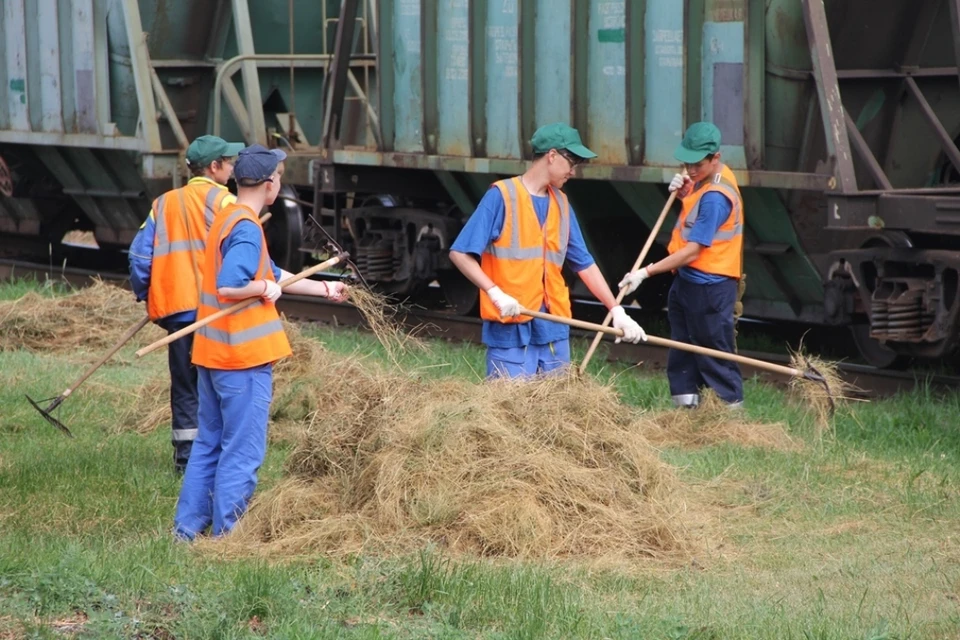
(208,212)
(182,220)
(724,255)
(240,337)
(526,261)
(734,197)
(246,338)
(515,251)
(163,246)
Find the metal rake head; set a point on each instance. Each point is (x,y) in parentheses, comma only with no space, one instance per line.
(814,375)
(46,413)
(335,249)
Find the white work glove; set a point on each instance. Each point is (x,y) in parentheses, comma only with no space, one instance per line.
(633,280)
(681,184)
(507,305)
(272,292)
(632,332)
(336,291)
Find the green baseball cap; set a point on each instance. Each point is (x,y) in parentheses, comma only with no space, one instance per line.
(700,140)
(206,149)
(560,136)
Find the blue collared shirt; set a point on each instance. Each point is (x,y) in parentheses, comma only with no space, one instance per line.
(483,228)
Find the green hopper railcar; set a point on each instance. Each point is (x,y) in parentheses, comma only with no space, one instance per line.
(840,119)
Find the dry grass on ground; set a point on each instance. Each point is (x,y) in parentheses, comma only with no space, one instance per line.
(89,319)
(384,459)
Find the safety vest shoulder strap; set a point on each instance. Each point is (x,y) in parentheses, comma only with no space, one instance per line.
(721,184)
(563,204)
(509,246)
(162,243)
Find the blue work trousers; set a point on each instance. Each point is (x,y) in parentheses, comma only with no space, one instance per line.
(702,314)
(523,362)
(184,397)
(230,446)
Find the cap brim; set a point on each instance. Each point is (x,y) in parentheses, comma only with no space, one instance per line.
(233,149)
(280,154)
(689,156)
(581,151)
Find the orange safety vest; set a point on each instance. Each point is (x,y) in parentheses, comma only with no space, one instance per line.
(526,260)
(246,338)
(725,256)
(182,218)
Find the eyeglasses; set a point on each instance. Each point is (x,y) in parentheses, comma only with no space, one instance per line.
(569,157)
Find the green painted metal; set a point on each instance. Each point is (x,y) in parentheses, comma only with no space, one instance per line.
(527,52)
(694,19)
(635,45)
(478,85)
(580,40)
(459,86)
(464,201)
(429,35)
(755,82)
(386,76)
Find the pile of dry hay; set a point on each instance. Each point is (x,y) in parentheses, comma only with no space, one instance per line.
(714,423)
(89,319)
(385,461)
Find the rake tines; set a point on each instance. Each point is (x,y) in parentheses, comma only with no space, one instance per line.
(46,413)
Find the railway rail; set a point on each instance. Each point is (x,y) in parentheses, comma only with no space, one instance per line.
(871,382)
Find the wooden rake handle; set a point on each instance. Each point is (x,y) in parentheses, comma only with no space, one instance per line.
(332,262)
(124,339)
(672,344)
(636,265)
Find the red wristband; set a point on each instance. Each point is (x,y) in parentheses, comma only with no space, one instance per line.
(264,288)
(326,288)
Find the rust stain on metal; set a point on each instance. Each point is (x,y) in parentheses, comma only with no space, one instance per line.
(6,179)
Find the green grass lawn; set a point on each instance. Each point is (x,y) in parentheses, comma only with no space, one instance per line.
(854,536)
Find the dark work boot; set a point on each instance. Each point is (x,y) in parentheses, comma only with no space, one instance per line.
(181,454)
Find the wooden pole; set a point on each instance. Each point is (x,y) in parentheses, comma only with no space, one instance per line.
(636,265)
(672,344)
(343,257)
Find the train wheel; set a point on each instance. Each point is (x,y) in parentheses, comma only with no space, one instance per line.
(875,353)
(460,293)
(284,231)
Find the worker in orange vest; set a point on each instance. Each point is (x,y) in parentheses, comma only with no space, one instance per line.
(165,258)
(234,355)
(706,252)
(522,232)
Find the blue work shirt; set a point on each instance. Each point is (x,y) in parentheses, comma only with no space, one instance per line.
(241,256)
(140,257)
(482,229)
(715,208)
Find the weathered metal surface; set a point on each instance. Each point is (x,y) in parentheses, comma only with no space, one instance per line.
(663,80)
(946,141)
(828,90)
(440,98)
(866,155)
(954,6)
(935,214)
(336,81)
(592,171)
(909,296)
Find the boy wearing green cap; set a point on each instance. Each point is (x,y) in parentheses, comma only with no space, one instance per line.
(165,258)
(522,233)
(706,252)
